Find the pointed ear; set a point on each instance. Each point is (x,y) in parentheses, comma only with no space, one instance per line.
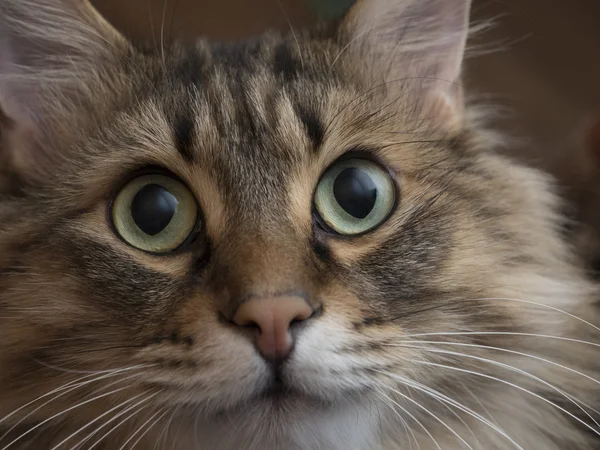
(419,42)
(49,49)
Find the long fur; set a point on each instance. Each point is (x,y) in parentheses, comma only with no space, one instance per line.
(462,321)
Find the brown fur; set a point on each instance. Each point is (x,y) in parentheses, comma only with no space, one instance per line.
(473,247)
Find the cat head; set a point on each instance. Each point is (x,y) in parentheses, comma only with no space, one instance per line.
(260,233)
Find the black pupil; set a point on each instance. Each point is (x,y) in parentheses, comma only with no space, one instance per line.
(355,192)
(152,208)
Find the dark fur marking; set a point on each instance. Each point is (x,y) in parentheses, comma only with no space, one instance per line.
(191,68)
(313,126)
(284,64)
(321,250)
(183,133)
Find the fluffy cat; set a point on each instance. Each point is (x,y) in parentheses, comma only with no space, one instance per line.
(303,241)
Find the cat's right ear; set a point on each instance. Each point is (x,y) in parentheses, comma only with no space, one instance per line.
(413,48)
(49,51)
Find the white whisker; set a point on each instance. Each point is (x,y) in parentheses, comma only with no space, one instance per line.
(140,429)
(572,399)
(386,402)
(505,350)
(508,383)
(472,394)
(444,424)
(165,429)
(54,391)
(446,399)
(91,372)
(78,405)
(502,333)
(114,428)
(162,34)
(553,308)
(91,422)
(385,396)
(354,39)
(148,429)
(66,390)
(293,32)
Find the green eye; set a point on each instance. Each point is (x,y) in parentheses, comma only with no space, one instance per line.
(155,213)
(355,196)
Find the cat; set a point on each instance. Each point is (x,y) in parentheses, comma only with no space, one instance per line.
(307,240)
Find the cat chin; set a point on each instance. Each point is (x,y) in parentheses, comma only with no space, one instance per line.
(294,423)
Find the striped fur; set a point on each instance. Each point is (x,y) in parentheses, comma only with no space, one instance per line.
(473,252)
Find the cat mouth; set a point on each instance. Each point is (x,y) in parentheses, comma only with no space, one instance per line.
(278,391)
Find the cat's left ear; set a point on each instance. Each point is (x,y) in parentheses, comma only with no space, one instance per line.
(50,52)
(417,47)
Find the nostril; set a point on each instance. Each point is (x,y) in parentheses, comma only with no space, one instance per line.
(251,325)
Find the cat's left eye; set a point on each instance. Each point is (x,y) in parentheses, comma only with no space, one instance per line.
(355,196)
(155,213)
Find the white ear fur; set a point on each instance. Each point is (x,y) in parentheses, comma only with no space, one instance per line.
(420,40)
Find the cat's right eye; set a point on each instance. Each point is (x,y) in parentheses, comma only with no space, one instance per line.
(155,213)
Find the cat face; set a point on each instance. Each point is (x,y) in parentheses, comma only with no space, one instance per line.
(257,234)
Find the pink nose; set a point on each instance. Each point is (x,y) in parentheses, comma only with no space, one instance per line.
(273,317)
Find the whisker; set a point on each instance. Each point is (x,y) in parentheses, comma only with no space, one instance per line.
(485,410)
(164,432)
(140,428)
(78,405)
(148,429)
(354,39)
(151,24)
(389,399)
(162,34)
(137,411)
(54,391)
(505,350)
(408,432)
(387,403)
(293,32)
(93,372)
(446,399)
(471,372)
(553,308)
(56,397)
(572,399)
(91,422)
(444,424)
(502,333)
(454,413)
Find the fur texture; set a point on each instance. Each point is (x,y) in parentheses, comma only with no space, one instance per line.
(458,323)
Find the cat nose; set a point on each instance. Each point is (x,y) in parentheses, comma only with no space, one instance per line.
(273,317)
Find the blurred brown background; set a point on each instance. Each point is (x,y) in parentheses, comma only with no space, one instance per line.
(549,74)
